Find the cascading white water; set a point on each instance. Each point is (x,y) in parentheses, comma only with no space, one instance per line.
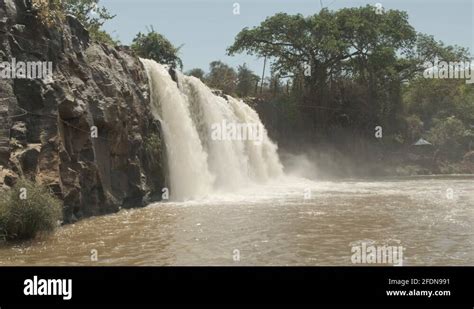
(197,163)
(187,160)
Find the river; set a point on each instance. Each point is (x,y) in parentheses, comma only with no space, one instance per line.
(288,222)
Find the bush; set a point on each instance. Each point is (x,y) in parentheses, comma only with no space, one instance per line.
(25,218)
(451,136)
(88,12)
(92,16)
(155,46)
(101,36)
(49,12)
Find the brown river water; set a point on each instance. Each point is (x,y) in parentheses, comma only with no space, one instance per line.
(290,222)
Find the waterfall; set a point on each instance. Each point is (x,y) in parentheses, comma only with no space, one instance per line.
(192,116)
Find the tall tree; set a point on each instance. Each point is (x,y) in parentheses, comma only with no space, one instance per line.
(329,45)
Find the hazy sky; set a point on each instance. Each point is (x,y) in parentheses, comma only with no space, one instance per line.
(206,28)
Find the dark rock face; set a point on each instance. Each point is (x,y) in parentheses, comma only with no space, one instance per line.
(83,133)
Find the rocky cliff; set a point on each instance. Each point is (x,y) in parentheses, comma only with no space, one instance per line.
(86,133)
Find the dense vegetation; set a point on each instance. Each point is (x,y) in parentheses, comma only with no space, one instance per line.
(27,210)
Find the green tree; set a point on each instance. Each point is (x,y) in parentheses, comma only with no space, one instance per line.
(92,16)
(414,127)
(451,136)
(154,45)
(88,12)
(428,49)
(319,50)
(246,81)
(223,77)
(198,73)
(441,104)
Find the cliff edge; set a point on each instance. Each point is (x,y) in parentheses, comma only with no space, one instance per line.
(86,132)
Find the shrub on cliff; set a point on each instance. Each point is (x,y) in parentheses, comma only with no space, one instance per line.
(154,45)
(88,12)
(27,210)
(92,16)
(49,12)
